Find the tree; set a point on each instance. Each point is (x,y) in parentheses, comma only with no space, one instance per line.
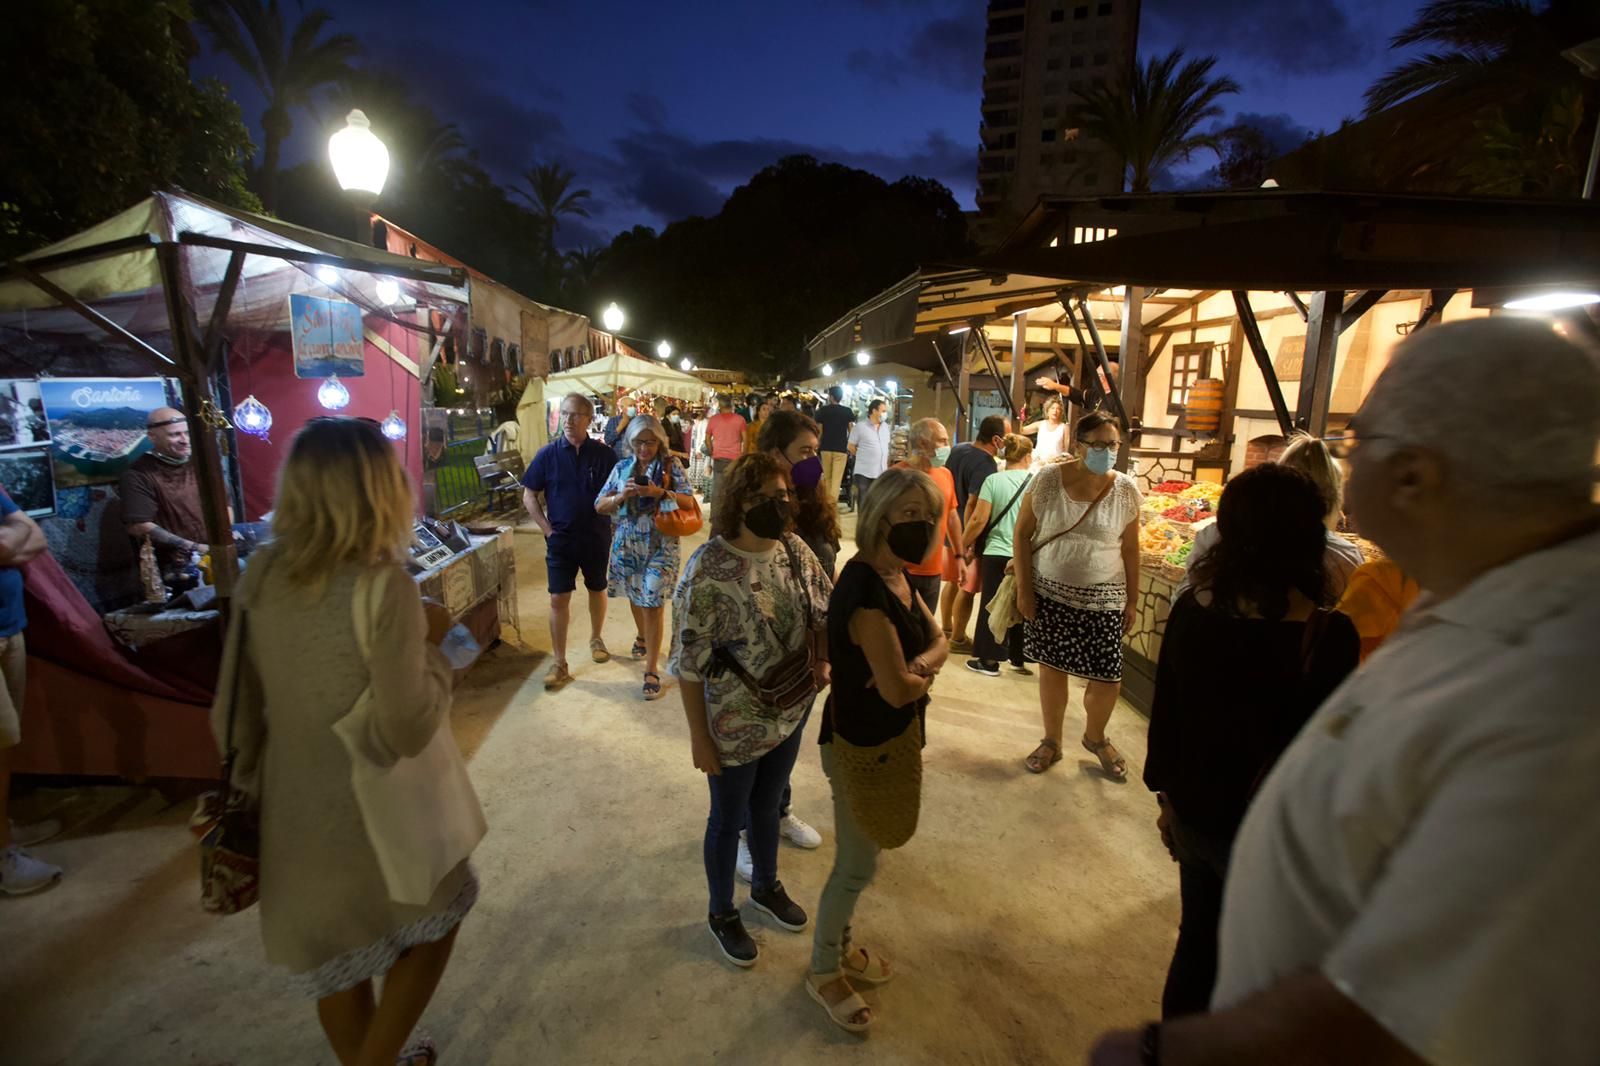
(99,110)
(1245,158)
(288,65)
(577,281)
(1151,116)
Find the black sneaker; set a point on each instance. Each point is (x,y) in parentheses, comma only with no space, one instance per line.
(984,667)
(1021,668)
(736,945)
(777,905)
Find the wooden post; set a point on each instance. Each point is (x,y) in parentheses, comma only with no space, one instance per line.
(1230,396)
(1251,330)
(1019,364)
(964,382)
(1316,377)
(1130,352)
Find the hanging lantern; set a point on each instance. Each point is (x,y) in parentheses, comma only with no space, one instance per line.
(394,427)
(252,417)
(332,394)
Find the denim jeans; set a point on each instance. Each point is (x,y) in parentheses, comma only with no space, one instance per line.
(751,791)
(862,484)
(718,468)
(855,860)
(1202,870)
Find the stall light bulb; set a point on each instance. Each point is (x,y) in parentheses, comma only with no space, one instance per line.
(863,358)
(332,394)
(388,290)
(252,417)
(827,370)
(891,386)
(1553,301)
(394,427)
(327,275)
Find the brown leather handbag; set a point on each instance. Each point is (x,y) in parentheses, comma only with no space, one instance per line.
(681,521)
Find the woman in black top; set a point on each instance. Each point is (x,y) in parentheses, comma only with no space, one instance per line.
(677,437)
(885,648)
(1249,653)
(791,438)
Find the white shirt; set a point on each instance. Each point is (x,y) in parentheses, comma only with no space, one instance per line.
(1092,553)
(1050,442)
(872,447)
(1431,840)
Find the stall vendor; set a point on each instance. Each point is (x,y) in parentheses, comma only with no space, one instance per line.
(161,494)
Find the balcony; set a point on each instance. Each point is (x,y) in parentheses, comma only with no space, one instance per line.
(1003,49)
(1000,120)
(999,96)
(997,7)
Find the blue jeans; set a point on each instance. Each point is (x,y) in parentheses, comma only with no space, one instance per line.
(752,791)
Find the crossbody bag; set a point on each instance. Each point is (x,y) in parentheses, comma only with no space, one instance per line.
(996,519)
(790,681)
(1003,608)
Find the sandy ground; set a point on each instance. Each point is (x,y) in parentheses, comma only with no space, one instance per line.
(1027,915)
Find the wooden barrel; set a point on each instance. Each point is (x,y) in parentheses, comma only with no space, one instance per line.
(1203,411)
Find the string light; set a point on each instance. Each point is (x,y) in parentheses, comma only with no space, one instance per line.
(394,427)
(332,394)
(252,417)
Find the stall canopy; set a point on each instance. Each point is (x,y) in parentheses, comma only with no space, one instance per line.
(611,373)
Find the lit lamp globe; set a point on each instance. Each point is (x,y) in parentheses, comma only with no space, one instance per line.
(862,358)
(612,318)
(687,365)
(827,370)
(664,351)
(360,161)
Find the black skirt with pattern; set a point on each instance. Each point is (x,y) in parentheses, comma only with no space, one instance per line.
(1075,640)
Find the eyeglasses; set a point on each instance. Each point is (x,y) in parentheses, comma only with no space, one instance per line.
(1101,445)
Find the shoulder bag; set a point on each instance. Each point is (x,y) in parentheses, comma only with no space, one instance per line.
(421,813)
(679,521)
(1003,612)
(230,851)
(995,519)
(791,681)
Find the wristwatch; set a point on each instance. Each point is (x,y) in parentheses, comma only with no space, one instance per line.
(1150,1045)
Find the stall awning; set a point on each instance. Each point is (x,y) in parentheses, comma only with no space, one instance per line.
(606,375)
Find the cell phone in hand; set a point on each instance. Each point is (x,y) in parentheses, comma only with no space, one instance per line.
(641,479)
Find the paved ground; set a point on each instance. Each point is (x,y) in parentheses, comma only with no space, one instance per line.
(1028,913)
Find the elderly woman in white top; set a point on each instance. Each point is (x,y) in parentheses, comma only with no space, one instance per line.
(1049,433)
(1077,570)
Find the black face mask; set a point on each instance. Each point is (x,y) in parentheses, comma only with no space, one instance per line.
(768,519)
(911,540)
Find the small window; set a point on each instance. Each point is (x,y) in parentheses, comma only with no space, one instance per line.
(1104,9)
(1053,63)
(1048,135)
(1080,36)
(1190,363)
(1069,156)
(1099,83)
(1047,159)
(1081,12)
(1058,15)
(1051,110)
(1103,33)
(1076,62)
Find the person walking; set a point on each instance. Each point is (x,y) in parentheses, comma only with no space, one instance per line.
(559,489)
(21,540)
(970,465)
(644,561)
(725,432)
(991,522)
(753,603)
(928,446)
(678,433)
(869,445)
(762,410)
(1077,573)
(615,434)
(1050,433)
(886,649)
(1249,653)
(836,421)
(1411,882)
(293,666)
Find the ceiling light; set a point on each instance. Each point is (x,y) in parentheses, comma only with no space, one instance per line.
(327,275)
(827,370)
(388,290)
(863,358)
(1553,301)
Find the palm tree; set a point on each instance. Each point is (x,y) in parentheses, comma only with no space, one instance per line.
(548,189)
(1478,42)
(288,64)
(582,267)
(1150,116)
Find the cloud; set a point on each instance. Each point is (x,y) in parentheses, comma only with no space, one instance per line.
(1286,37)
(946,51)
(648,109)
(1283,133)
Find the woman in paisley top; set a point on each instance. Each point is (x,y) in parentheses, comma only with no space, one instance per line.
(644,561)
(757,594)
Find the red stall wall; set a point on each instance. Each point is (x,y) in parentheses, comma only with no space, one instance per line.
(263,365)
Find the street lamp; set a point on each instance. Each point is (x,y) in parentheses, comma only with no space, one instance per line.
(612,318)
(862,358)
(664,351)
(687,364)
(361,163)
(827,370)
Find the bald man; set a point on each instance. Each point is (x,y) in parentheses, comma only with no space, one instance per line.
(160,494)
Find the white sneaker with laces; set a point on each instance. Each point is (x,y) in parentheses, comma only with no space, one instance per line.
(799,833)
(746,867)
(21,873)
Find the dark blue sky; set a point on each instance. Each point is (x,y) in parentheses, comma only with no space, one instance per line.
(664,108)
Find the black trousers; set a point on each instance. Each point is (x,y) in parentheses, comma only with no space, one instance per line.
(992,568)
(1202,871)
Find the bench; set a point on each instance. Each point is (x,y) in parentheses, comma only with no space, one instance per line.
(500,473)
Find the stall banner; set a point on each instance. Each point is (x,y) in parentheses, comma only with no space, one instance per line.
(26,476)
(326,335)
(97,425)
(22,421)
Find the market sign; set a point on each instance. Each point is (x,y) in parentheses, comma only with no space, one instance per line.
(1291,361)
(326,335)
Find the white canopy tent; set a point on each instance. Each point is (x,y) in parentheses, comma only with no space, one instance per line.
(605,376)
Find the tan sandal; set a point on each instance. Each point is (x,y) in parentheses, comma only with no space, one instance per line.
(847,1009)
(874,971)
(1111,760)
(1046,755)
(597,650)
(558,677)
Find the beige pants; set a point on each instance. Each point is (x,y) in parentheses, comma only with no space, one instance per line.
(14,665)
(833,464)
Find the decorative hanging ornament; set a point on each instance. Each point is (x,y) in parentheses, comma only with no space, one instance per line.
(394,427)
(252,417)
(332,394)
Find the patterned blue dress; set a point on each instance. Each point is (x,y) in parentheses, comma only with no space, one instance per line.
(644,564)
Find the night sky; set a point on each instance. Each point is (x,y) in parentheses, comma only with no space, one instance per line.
(664,108)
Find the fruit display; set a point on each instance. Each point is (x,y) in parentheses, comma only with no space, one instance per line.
(1181,556)
(1170,488)
(1187,511)
(1203,490)
(1159,537)
(1156,502)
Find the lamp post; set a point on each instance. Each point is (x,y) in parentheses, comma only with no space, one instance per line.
(361,163)
(664,351)
(612,318)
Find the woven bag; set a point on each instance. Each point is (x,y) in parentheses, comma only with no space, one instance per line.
(883,784)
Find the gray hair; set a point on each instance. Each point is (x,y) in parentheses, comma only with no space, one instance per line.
(1504,401)
(588,404)
(886,489)
(640,425)
(920,435)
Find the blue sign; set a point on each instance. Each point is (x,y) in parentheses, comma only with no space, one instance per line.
(326,335)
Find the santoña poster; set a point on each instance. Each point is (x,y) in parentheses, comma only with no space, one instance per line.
(97,425)
(326,335)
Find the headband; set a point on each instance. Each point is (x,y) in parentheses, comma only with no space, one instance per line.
(168,422)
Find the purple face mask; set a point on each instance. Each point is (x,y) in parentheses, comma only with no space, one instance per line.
(807,473)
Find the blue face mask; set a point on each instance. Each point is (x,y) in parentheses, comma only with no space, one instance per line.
(1099,460)
(940,454)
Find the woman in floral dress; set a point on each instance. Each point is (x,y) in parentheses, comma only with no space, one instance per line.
(644,562)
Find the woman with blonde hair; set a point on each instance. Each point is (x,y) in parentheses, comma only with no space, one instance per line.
(292,668)
(990,524)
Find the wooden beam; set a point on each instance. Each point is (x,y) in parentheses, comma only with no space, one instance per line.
(1299,305)
(1130,347)
(1316,376)
(1183,305)
(139,242)
(1360,305)
(112,330)
(438,274)
(1433,306)
(1155,352)
(1019,362)
(1230,396)
(212,345)
(1251,331)
(964,379)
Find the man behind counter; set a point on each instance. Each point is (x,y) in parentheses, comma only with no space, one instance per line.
(161,495)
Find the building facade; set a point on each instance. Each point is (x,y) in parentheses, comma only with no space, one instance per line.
(1036,53)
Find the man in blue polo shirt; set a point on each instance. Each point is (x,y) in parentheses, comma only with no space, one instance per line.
(21,539)
(559,490)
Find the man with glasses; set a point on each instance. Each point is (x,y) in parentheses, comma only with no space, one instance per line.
(559,490)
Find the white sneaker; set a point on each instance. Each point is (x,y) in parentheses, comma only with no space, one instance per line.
(21,873)
(746,867)
(799,833)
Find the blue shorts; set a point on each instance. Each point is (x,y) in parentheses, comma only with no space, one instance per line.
(567,553)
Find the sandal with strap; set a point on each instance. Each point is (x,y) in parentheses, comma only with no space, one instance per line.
(845,1012)
(637,651)
(1046,755)
(652,689)
(874,969)
(420,1052)
(1111,760)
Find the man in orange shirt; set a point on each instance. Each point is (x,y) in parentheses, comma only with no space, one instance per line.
(928,446)
(724,439)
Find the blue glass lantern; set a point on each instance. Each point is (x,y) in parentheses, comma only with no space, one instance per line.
(252,417)
(394,427)
(332,394)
